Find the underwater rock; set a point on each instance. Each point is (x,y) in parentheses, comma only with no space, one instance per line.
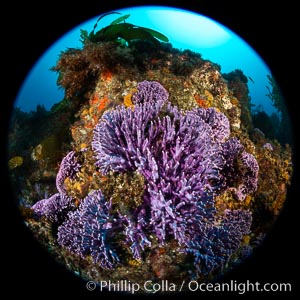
(164,177)
(186,160)
(237,82)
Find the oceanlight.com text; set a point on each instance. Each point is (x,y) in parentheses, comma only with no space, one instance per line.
(239,287)
(150,286)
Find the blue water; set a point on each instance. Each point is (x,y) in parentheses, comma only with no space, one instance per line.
(185,30)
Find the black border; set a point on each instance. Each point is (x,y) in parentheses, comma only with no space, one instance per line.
(29,29)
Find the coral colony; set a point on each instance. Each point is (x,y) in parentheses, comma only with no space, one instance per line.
(186,158)
(54,207)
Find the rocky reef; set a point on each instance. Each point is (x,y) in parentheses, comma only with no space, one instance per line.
(151,168)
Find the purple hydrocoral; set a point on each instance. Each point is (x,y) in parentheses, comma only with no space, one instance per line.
(69,167)
(217,122)
(121,139)
(86,231)
(187,159)
(249,175)
(150,92)
(135,235)
(214,244)
(54,207)
(246,174)
(182,173)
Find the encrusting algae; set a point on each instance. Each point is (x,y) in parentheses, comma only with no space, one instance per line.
(130,165)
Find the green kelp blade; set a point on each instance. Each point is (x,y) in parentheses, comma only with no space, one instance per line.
(136,33)
(126,31)
(102,16)
(156,34)
(120,19)
(112,32)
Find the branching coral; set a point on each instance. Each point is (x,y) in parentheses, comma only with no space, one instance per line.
(58,204)
(68,168)
(186,159)
(249,175)
(87,229)
(135,236)
(121,139)
(241,169)
(214,244)
(150,91)
(53,208)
